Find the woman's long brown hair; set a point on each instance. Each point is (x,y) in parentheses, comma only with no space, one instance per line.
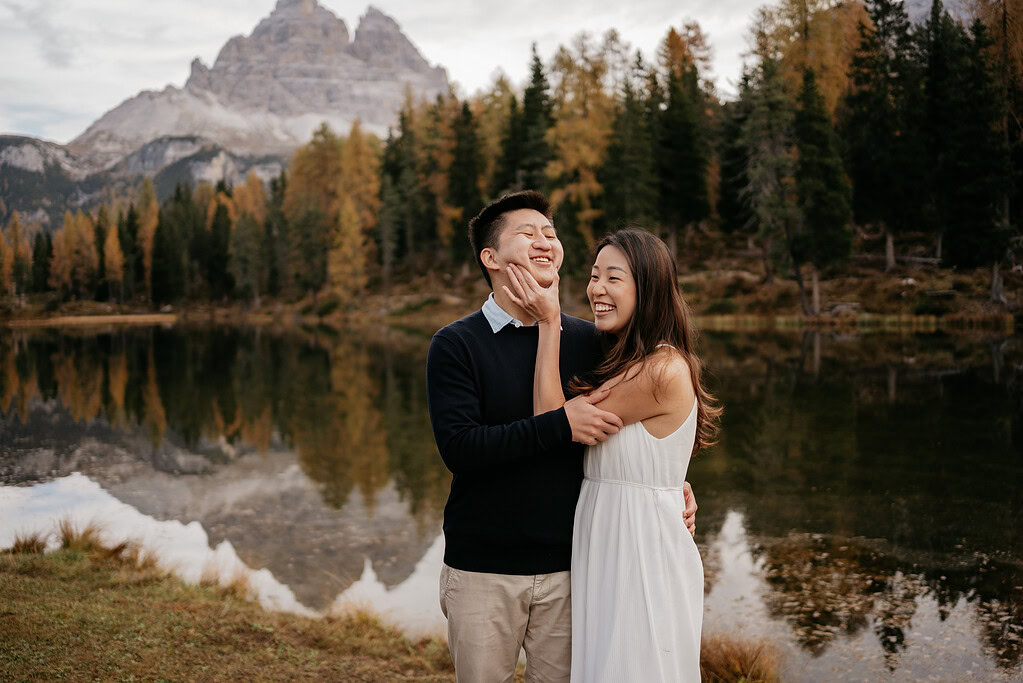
(661,316)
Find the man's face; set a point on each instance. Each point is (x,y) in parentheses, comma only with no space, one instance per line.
(527,239)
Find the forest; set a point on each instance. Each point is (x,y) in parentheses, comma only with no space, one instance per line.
(850,125)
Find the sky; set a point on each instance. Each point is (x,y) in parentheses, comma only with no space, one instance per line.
(63,63)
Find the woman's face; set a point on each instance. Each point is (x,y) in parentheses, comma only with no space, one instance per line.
(612,291)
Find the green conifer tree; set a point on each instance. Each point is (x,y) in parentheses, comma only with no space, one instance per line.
(537,119)
(820,186)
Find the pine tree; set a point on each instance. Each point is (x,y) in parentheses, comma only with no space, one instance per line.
(733,206)
(218,254)
(465,177)
(275,237)
(508,176)
(127,231)
(977,232)
(42,251)
(246,262)
(682,156)
(627,175)
(820,186)
(168,269)
(537,119)
(767,136)
(881,126)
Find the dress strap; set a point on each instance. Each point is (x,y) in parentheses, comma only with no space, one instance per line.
(665,344)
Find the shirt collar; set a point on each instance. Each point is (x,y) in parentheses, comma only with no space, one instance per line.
(500,318)
(497,316)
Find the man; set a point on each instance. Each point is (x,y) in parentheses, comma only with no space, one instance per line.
(516,477)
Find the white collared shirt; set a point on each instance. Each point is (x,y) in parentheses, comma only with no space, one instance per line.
(500,318)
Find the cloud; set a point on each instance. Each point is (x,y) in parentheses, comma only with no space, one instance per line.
(56,45)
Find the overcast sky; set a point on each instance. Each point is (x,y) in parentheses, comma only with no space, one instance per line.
(63,63)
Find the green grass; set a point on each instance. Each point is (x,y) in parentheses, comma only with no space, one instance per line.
(88,612)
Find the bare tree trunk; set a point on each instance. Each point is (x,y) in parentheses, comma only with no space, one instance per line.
(802,290)
(749,243)
(889,250)
(816,353)
(815,279)
(997,357)
(797,271)
(937,249)
(768,268)
(997,288)
(892,382)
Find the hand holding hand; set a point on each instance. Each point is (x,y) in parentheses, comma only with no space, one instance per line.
(590,424)
(542,303)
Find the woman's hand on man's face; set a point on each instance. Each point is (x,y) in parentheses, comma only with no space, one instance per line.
(540,302)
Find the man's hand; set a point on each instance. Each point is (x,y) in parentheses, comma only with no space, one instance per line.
(689,515)
(590,424)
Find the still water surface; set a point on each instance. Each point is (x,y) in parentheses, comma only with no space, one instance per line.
(862,512)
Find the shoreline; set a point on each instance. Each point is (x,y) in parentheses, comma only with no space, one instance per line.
(155,623)
(428,321)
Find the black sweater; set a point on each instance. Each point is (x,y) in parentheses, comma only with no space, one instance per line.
(516,476)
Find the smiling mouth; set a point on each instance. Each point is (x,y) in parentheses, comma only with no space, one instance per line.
(603,308)
(542,260)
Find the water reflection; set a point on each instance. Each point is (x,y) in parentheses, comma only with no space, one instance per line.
(862,508)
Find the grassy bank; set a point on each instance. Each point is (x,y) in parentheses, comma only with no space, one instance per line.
(88,611)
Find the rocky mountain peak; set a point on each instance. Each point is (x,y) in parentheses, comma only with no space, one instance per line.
(267,91)
(379,41)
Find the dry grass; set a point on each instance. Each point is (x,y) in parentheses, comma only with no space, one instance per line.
(30,544)
(153,626)
(727,659)
(83,539)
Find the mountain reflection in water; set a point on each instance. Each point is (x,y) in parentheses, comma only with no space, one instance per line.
(862,509)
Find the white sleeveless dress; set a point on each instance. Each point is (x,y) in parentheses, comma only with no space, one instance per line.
(637,576)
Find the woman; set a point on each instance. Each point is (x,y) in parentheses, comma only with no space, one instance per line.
(637,577)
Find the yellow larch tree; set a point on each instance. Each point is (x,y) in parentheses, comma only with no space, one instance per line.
(822,34)
(6,266)
(20,254)
(85,258)
(250,199)
(346,261)
(584,111)
(113,259)
(149,216)
(62,260)
(313,175)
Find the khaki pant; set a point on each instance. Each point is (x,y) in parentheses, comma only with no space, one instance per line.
(491,616)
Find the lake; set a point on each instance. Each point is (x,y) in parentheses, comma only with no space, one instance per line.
(862,512)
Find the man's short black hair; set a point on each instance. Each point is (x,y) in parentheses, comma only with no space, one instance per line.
(485,227)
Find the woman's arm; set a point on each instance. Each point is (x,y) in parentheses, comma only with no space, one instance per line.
(544,305)
(661,386)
